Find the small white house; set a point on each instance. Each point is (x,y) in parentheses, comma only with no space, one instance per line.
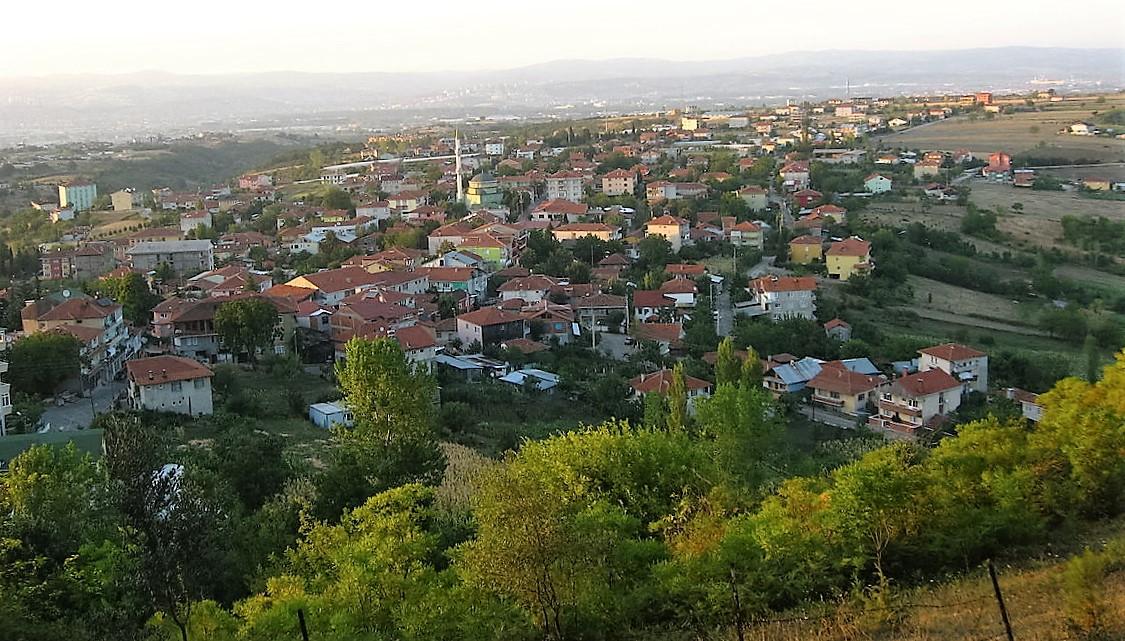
(170,384)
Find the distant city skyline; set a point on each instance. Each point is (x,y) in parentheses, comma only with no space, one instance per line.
(211,37)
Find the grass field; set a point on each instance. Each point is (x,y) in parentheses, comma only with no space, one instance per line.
(933,295)
(1035,133)
(965,609)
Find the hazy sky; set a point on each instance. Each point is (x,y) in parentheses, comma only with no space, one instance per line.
(209,36)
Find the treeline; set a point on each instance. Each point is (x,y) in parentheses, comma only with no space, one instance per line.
(677,529)
(1095,233)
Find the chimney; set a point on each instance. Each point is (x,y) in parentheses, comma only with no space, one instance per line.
(164,373)
(150,376)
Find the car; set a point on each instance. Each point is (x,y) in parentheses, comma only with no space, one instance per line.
(629,340)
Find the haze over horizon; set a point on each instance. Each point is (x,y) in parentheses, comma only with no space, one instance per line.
(443,36)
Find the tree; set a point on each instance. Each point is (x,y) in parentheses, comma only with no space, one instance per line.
(39,363)
(131,291)
(655,251)
(677,401)
(336,198)
(247,326)
(728,366)
(752,370)
(393,439)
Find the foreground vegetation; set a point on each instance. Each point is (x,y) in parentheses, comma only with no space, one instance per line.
(685,527)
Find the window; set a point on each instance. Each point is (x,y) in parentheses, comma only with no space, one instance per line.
(177,386)
(199,383)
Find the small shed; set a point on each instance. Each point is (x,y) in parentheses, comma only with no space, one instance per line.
(326,414)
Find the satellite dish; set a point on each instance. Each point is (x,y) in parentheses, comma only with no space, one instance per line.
(66,293)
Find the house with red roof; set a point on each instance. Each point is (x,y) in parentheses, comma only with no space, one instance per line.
(746,234)
(529,289)
(967,365)
(489,326)
(675,230)
(848,257)
(783,297)
(565,185)
(170,384)
(681,290)
(574,231)
(839,388)
(619,182)
(667,336)
(916,402)
(660,382)
(806,197)
(559,211)
(836,214)
(838,329)
(877,184)
(795,175)
(332,285)
(649,305)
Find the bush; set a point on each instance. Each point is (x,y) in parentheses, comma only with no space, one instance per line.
(1083,594)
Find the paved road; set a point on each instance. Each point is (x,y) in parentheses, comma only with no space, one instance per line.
(614,345)
(77,414)
(724,323)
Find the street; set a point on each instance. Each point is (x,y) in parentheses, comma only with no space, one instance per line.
(828,417)
(77,414)
(614,345)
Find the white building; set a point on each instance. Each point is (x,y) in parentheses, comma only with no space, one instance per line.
(170,384)
(965,364)
(784,297)
(5,399)
(566,185)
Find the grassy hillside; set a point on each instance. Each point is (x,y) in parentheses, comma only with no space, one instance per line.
(184,166)
(1041,597)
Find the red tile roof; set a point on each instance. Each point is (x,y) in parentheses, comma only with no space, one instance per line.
(834,377)
(925,383)
(647,298)
(952,352)
(79,309)
(562,206)
(850,247)
(666,220)
(660,381)
(784,283)
(489,316)
(165,369)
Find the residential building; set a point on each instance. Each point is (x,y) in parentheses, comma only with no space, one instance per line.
(170,384)
(619,182)
(596,310)
(806,249)
(849,257)
(784,296)
(844,390)
(333,285)
(191,220)
(675,230)
(916,401)
(747,234)
(649,305)
(660,381)
(565,185)
(877,184)
(681,290)
(967,365)
(838,329)
(123,200)
(806,197)
(795,175)
(754,197)
(489,326)
(574,231)
(77,195)
(98,324)
(474,282)
(529,289)
(85,262)
(926,168)
(185,257)
(559,211)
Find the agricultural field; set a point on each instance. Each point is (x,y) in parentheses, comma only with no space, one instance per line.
(1034,133)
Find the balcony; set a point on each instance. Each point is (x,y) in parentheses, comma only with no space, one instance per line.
(899,408)
(827,400)
(889,423)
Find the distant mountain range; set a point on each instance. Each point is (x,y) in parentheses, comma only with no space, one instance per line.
(108,107)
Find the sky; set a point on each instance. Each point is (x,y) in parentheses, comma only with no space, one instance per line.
(212,36)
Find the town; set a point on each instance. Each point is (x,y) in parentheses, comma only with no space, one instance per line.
(863,287)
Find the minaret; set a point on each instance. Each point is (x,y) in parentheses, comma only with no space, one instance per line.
(457,165)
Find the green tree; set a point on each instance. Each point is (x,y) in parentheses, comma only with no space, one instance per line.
(677,401)
(131,291)
(39,363)
(336,198)
(728,366)
(247,326)
(752,370)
